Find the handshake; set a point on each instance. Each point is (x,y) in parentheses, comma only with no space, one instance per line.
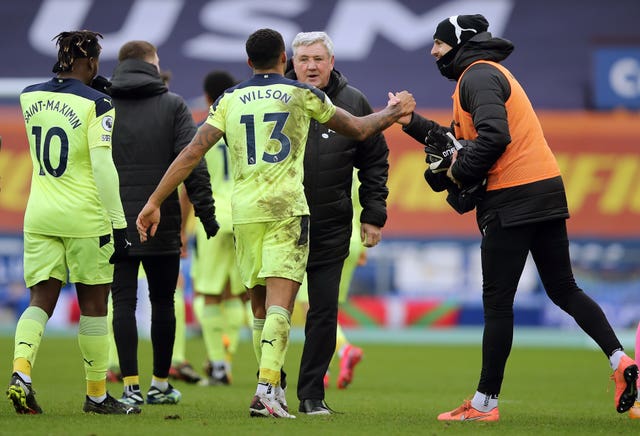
(440,147)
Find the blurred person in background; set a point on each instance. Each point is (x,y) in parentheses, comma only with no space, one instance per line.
(214,272)
(329,164)
(347,354)
(503,167)
(153,127)
(180,368)
(74,224)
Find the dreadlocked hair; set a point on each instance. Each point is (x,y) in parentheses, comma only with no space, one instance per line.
(75,45)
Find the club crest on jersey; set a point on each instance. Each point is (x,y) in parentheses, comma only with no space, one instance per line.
(107,123)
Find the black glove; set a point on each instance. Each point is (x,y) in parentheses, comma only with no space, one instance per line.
(439,149)
(464,200)
(437,181)
(101,83)
(210,225)
(121,245)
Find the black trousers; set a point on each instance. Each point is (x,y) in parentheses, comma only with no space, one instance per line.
(504,252)
(162,275)
(320,329)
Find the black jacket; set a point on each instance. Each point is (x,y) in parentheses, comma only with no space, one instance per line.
(328,174)
(532,202)
(152,126)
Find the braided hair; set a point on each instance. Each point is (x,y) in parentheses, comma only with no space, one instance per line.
(75,45)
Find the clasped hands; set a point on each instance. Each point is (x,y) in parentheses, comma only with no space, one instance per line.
(403,99)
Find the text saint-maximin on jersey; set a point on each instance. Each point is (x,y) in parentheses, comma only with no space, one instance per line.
(53,105)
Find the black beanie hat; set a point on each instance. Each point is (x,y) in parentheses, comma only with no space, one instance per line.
(458,29)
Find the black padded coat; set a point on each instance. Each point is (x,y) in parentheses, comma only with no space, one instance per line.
(152,126)
(328,174)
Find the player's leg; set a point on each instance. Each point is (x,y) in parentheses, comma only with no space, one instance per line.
(212,331)
(210,282)
(233,300)
(162,275)
(44,272)
(267,263)
(248,312)
(551,254)
(180,368)
(258,300)
(28,336)
(503,255)
(179,345)
(113,372)
(283,266)
(349,354)
(124,293)
(93,338)
(234,308)
(248,251)
(270,393)
(90,270)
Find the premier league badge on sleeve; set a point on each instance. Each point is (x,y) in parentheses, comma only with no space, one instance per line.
(107,123)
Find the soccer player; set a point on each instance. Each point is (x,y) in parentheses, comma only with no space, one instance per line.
(154,125)
(214,271)
(265,121)
(74,225)
(501,165)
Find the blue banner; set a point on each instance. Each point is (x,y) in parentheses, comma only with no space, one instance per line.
(380,45)
(617,78)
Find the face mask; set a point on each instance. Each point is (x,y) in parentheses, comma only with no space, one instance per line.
(445,63)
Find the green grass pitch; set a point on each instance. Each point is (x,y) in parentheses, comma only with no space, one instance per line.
(397,390)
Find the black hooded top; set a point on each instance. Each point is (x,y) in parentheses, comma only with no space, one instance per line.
(484,91)
(152,126)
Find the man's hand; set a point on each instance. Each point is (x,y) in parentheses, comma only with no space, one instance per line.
(404,100)
(440,150)
(121,246)
(147,221)
(370,235)
(405,119)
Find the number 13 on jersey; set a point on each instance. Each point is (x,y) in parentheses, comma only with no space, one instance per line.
(280,119)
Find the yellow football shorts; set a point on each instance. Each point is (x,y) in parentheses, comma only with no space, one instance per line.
(272,249)
(214,264)
(82,260)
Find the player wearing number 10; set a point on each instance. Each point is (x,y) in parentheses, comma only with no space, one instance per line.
(73,204)
(265,121)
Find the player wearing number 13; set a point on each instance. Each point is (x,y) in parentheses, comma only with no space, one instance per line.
(265,121)
(73,204)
